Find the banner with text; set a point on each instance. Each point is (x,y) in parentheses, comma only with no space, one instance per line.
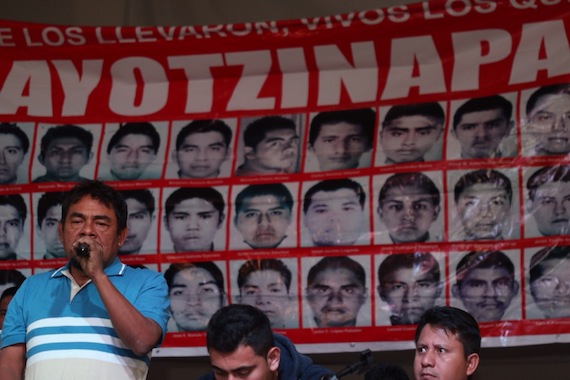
(341,173)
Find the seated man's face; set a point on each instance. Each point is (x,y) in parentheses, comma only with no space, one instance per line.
(139,222)
(551,208)
(486,293)
(266,290)
(483,208)
(409,138)
(48,232)
(263,221)
(551,291)
(194,298)
(335,217)
(480,133)
(549,124)
(340,146)
(192,224)
(131,156)
(65,157)
(336,297)
(409,292)
(11,229)
(11,156)
(277,152)
(408,213)
(201,155)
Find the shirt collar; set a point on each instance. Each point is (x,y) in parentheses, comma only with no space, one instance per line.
(116,268)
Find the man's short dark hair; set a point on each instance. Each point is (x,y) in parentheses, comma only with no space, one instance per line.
(553,89)
(13,129)
(204,126)
(432,109)
(67,130)
(330,185)
(453,321)
(208,266)
(483,260)
(547,174)
(423,260)
(483,176)
(16,201)
(256,130)
(252,266)
(9,292)
(101,192)
(537,267)
(364,117)
(337,262)
(142,128)
(47,201)
(235,325)
(415,179)
(11,276)
(209,194)
(278,190)
(486,103)
(143,196)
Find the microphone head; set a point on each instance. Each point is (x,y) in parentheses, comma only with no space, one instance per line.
(82,249)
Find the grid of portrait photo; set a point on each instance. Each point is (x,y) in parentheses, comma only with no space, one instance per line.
(343,218)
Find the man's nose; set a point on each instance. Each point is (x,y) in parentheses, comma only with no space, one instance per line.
(133,155)
(192,299)
(263,219)
(559,123)
(409,213)
(2,157)
(559,208)
(202,155)
(428,359)
(480,131)
(87,229)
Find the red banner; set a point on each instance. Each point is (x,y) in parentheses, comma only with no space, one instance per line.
(342,173)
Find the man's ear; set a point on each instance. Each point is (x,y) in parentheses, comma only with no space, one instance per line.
(439,290)
(509,128)
(454,133)
(249,152)
(89,157)
(60,231)
(380,213)
(273,358)
(516,287)
(472,363)
(381,293)
(436,211)
(221,219)
(41,159)
(123,236)
(455,291)
(165,221)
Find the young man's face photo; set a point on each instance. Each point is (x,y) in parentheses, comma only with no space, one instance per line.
(340,146)
(408,213)
(336,297)
(409,138)
(550,208)
(65,157)
(192,225)
(551,291)
(266,290)
(11,156)
(483,208)
(131,156)
(201,155)
(335,217)
(277,152)
(480,133)
(549,124)
(486,293)
(263,221)
(48,232)
(194,298)
(409,292)
(11,229)
(139,222)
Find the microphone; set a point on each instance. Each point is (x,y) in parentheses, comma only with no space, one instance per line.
(82,250)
